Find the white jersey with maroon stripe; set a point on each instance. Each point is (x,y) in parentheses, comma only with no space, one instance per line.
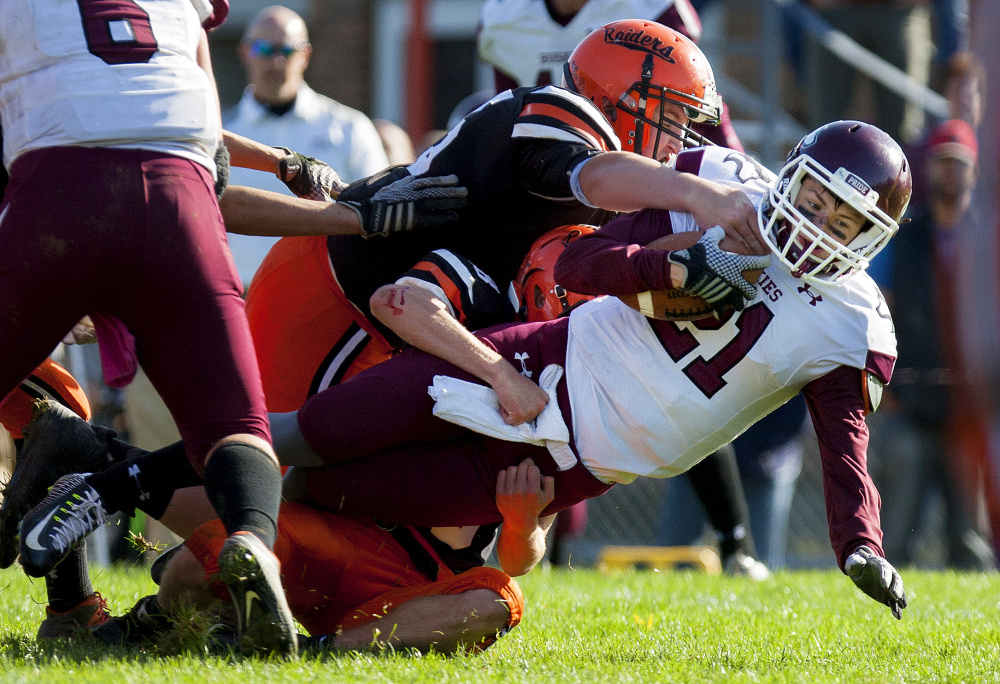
(109,74)
(652,398)
(520,38)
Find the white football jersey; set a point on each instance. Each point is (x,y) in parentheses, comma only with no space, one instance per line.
(520,38)
(653,398)
(81,73)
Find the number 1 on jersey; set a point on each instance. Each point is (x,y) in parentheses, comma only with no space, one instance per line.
(706,374)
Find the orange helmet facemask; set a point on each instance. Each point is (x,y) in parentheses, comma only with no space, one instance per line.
(630,69)
(534,291)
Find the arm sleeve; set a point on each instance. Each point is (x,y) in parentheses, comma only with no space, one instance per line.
(543,167)
(836,404)
(218,13)
(612,259)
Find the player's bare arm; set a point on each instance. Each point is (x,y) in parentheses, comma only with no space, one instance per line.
(522,494)
(249,211)
(622,181)
(424,321)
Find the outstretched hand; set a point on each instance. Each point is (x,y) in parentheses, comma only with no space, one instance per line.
(309,178)
(408,203)
(522,494)
(876,577)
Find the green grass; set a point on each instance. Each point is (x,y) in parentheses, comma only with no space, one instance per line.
(581,626)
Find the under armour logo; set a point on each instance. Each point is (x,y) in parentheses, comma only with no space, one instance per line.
(813,298)
(133,471)
(522,356)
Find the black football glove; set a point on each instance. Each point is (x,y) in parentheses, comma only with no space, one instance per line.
(408,203)
(876,577)
(221,169)
(309,178)
(716,275)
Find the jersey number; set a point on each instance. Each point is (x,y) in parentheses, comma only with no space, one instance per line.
(117,31)
(706,374)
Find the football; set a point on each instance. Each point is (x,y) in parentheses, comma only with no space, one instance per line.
(674,305)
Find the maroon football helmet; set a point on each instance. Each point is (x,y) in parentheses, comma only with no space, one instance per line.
(861,166)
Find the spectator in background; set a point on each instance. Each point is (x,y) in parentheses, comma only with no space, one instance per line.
(280,108)
(898,31)
(528,41)
(929,385)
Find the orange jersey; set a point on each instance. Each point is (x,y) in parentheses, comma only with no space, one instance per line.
(48,381)
(342,572)
(307,334)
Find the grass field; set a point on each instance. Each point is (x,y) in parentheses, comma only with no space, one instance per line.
(581,626)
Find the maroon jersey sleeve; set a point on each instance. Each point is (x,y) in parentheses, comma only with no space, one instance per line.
(220,10)
(612,260)
(837,405)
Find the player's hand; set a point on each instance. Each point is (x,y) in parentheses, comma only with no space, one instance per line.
(82,333)
(716,275)
(521,400)
(876,577)
(730,208)
(522,494)
(221,169)
(309,178)
(409,203)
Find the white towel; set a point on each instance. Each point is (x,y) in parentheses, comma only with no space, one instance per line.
(476,407)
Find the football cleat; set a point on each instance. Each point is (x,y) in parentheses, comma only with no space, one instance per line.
(57,442)
(50,530)
(253,575)
(144,623)
(741,564)
(88,614)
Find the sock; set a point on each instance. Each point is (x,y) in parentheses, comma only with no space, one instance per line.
(146,481)
(716,480)
(244,486)
(69,583)
(289,444)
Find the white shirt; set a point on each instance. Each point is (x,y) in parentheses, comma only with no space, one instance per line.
(55,90)
(315,126)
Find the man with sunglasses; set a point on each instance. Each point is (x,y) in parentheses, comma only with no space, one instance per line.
(280,108)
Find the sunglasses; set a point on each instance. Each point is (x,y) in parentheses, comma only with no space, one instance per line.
(265,48)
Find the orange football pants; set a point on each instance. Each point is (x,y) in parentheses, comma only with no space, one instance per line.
(342,572)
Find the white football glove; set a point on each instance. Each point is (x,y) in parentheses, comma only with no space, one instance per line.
(716,275)
(876,577)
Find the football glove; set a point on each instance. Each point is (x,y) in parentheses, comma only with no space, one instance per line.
(221,169)
(716,275)
(408,203)
(876,577)
(309,178)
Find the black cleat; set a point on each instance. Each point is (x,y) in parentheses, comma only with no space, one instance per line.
(57,442)
(145,623)
(50,530)
(253,575)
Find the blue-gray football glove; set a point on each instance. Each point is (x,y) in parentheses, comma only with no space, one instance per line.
(716,275)
(309,178)
(876,577)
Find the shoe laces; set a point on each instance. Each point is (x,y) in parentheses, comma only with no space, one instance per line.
(101,615)
(82,517)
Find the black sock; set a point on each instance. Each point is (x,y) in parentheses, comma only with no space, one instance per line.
(69,583)
(244,486)
(716,480)
(146,481)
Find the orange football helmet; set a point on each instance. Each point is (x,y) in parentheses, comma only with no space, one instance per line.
(539,297)
(631,68)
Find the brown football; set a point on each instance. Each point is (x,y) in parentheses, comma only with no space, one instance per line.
(674,305)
